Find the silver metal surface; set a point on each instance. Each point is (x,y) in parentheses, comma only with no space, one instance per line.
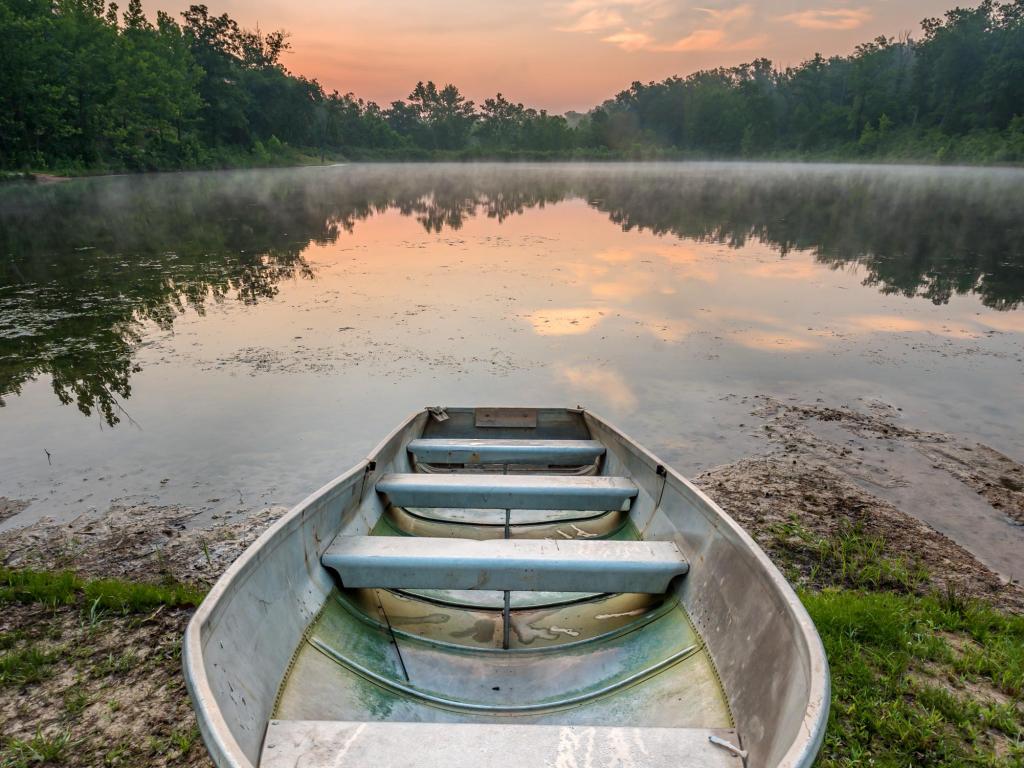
(499,709)
(456,656)
(454,745)
(522,565)
(508,491)
(540,452)
(517,418)
(538,620)
(766,650)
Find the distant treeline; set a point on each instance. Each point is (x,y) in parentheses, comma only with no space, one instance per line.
(83,86)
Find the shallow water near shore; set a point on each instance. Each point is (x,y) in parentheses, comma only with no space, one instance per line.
(231,341)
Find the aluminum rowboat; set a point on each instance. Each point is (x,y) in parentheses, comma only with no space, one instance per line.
(523,585)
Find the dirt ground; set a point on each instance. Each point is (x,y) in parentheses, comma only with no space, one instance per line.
(11,507)
(822,484)
(138,543)
(113,688)
(113,694)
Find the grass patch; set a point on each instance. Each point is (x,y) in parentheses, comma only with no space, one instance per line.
(10,639)
(75,701)
(65,588)
(41,749)
(847,558)
(920,681)
(90,673)
(177,742)
(49,588)
(120,664)
(28,665)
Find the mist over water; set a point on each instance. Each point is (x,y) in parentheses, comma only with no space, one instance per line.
(235,339)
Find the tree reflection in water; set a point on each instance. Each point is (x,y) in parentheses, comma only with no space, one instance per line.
(84,265)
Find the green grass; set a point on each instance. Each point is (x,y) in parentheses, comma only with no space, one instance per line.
(41,749)
(25,661)
(10,639)
(179,741)
(116,665)
(24,666)
(920,681)
(65,588)
(75,701)
(847,558)
(64,670)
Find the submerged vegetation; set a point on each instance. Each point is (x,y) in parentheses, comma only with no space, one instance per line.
(84,87)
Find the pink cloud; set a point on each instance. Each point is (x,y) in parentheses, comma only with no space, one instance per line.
(713,40)
(596,20)
(739,13)
(629,40)
(842,18)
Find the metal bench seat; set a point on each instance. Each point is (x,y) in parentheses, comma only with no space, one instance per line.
(537,452)
(470,745)
(410,562)
(593,493)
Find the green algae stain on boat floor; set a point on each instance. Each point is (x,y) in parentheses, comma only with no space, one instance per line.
(648,667)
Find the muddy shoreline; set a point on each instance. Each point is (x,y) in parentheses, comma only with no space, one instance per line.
(827,472)
(823,466)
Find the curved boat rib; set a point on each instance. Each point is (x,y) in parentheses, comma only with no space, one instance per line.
(643,617)
(464,706)
(415,523)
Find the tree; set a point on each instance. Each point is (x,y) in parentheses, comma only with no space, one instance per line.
(84,84)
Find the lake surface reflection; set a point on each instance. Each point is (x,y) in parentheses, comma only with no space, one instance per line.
(230,340)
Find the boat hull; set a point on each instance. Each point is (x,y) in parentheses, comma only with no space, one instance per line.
(242,641)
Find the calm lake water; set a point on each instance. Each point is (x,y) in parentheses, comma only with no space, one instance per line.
(231,340)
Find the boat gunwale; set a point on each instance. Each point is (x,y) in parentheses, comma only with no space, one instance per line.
(218,737)
(804,749)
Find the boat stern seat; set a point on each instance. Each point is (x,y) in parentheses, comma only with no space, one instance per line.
(528,565)
(289,743)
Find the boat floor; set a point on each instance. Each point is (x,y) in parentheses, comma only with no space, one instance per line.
(615,660)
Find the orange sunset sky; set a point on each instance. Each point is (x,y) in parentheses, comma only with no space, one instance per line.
(554,54)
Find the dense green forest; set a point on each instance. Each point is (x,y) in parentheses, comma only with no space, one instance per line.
(84,86)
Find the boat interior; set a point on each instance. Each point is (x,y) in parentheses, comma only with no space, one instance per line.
(510,581)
